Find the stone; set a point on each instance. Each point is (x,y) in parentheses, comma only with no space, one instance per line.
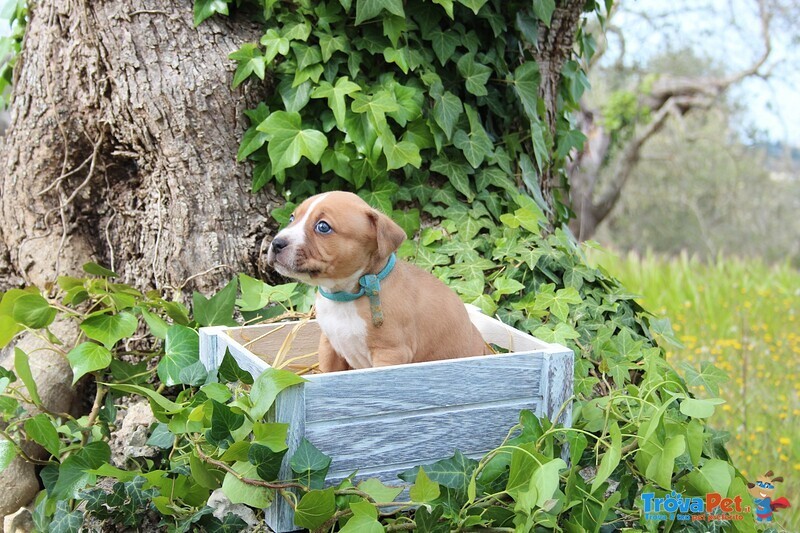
(130,439)
(19,522)
(223,506)
(50,369)
(20,485)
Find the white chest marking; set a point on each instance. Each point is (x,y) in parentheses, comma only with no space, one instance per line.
(345,329)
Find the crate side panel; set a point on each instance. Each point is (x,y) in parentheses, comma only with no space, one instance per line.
(384,441)
(345,395)
(289,408)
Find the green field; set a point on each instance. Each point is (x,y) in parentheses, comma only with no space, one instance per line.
(744,317)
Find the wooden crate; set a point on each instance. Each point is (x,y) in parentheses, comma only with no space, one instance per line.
(382,421)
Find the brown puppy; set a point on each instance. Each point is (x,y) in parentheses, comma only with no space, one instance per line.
(335,241)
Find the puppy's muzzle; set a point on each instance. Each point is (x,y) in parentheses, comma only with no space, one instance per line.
(278,244)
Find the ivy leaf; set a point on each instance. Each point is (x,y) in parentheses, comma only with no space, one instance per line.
(378,491)
(88,357)
(611,458)
(699,408)
(662,465)
(266,460)
(182,350)
(335,95)
(110,328)
(447,5)
(380,196)
(306,55)
(240,492)
(289,141)
(503,285)
(474,5)
(571,139)
(310,464)
(424,489)
(476,145)
(558,334)
(526,85)
(544,10)
(294,98)
(330,44)
(446,112)
(540,150)
(393,28)
(97,270)
(398,56)
(217,310)
(224,421)
(400,154)
(252,140)
(41,430)
(251,61)
(408,220)
(453,473)
(475,74)
(266,388)
(74,474)
(33,311)
(444,44)
(375,106)
(364,519)
(275,44)
(315,508)
(205,8)
(456,172)
(23,368)
(7,453)
(369,9)
(709,377)
(65,521)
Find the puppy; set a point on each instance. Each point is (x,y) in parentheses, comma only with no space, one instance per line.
(373,309)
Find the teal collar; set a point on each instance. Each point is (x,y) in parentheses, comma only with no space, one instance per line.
(370,284)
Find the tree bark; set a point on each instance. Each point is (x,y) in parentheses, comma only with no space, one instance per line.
(122,146)
(554,48)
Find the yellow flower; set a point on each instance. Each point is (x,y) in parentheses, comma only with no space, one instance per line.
(785,441)
(797,466)
(783,457)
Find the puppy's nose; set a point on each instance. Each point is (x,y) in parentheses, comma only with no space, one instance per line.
(279,243)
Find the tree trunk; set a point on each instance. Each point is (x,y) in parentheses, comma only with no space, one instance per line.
(554,48)
(122,145)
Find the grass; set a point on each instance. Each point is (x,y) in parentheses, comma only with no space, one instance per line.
(743,316)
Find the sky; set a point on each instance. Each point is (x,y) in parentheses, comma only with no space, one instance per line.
(727,32)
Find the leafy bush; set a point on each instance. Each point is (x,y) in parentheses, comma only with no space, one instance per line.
(636,428)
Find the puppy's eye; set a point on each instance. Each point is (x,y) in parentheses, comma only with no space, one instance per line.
(291,218)
(323,227)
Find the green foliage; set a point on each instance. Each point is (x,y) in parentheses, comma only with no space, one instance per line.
(14,13)
(635,421)
(413,93)
(201,413)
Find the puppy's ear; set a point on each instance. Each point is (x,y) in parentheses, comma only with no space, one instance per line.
(778,479)
(751,485)
(387,232)
(768,474)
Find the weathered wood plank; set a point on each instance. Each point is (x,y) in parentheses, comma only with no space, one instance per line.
(385,441)
(289,408)
(344,395)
